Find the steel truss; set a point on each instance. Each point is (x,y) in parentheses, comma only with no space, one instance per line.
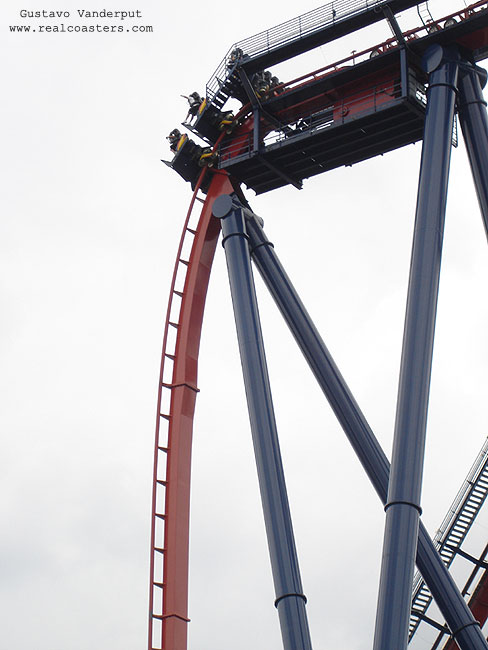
(453,81)
(400,488)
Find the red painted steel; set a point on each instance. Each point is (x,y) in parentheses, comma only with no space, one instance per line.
(478,604)
(350,100)
(170,607)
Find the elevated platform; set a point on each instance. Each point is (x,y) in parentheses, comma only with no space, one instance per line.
(351,116)
(355,109)
(315,152)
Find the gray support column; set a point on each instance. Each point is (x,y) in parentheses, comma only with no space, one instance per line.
(474,124)
(458,616)
(290,600)
(403,503)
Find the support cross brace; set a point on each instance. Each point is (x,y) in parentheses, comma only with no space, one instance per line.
(442,586)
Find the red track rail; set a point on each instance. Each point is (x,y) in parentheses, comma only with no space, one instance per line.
(168,597)
(478,604)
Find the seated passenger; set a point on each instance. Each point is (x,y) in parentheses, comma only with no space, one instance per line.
(226,121)
(260,84)
(190,150)
(263,84)
(195,101)
(173,138)
(276,82)
(235,56)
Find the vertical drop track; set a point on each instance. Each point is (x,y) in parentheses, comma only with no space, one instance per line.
(168,597)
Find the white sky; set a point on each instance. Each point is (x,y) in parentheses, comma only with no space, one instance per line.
(90,225)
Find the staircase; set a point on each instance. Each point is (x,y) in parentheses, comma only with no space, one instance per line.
(453,530)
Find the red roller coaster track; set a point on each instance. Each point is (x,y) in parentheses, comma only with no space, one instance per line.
(168,599)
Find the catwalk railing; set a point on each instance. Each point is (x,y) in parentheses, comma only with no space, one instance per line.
(453,530)
(304,25)
(289,31)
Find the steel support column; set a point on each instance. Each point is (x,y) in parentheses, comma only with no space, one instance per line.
(459,618)
(403,502)
(474,124)
(290,600)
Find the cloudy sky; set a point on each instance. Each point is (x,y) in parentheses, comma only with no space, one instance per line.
(90,225)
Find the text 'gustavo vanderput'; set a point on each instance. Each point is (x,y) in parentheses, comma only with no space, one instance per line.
(81,13)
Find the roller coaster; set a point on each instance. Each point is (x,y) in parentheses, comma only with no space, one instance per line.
(406,89)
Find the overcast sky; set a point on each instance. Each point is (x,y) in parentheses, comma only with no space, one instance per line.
(90,224)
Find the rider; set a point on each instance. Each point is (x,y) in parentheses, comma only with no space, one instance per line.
(173,138)
(195,101)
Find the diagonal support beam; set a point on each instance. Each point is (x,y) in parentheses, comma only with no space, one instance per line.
(279,172)
(474,124)
(395,27)
(290,600)
(459,618)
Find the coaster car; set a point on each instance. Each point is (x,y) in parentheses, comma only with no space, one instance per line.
(190,158)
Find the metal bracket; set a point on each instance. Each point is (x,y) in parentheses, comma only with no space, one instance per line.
(395,27)
(430,621)
(280,173)
(467,556)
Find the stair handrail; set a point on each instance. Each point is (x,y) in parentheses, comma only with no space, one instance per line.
(442,533)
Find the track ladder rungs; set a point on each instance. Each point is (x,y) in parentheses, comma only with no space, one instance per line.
(160,515)
(165,449)
(162,482)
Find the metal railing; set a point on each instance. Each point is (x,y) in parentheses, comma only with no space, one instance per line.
(289,31)
(385,46)
(348,108)
(303,25)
